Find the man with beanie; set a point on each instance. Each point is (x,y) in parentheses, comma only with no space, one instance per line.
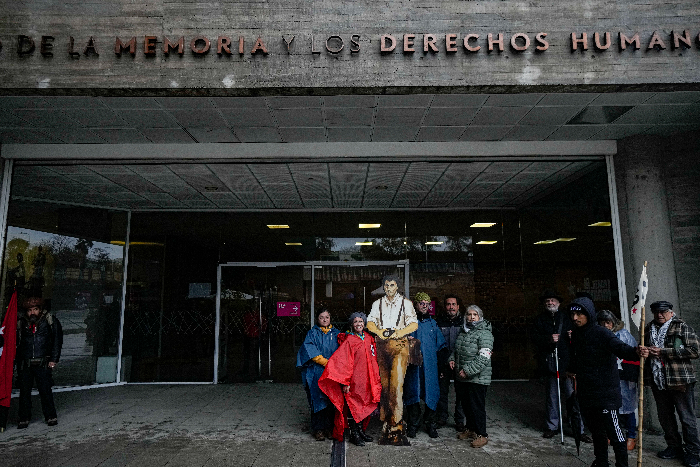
(422,381)
(550,332)
(450,324)
(669,371)
(593,366)
(38,352)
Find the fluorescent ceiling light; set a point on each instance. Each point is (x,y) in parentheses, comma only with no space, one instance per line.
(292,244)
(482,224)
(487,242)
(363,243)
(434,243)
(277,226)
(600,224)
(547,242)
(370,226)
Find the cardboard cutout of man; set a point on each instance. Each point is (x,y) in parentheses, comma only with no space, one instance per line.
(391,319)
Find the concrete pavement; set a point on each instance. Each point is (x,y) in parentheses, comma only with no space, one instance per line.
(267,425)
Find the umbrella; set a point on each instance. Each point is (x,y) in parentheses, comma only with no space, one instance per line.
(573,412)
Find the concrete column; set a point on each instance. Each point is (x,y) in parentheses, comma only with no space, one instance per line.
(644,219)
(645,228)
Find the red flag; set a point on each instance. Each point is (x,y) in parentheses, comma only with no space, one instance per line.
(8,351)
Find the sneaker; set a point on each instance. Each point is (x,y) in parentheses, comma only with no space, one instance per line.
(22,425)
(670,453)
(52,422)
(319,436)
(480,441)
(585,438)
(691,460)
(467,434)
(549,433)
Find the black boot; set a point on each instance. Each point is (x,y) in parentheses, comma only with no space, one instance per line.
(432,430)
(355,436)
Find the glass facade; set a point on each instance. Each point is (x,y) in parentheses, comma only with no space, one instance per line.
(500,259)
(73,257)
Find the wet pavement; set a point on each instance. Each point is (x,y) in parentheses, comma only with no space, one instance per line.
(262,425)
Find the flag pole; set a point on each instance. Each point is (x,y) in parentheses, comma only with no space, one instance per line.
(641,389)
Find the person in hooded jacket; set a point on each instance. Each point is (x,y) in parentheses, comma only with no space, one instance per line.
(593,366)
(320,343)
(422,380)
(471,362)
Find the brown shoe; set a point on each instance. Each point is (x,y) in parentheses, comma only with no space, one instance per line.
(467,434)
(319,436)
(631,444)
(480,441)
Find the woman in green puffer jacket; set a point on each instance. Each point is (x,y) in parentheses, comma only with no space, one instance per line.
(471,362)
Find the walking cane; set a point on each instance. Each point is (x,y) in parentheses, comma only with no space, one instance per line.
(561,423)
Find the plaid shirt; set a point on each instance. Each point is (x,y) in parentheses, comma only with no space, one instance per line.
(680,347)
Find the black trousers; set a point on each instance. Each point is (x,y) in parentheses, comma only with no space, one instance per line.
(473,399)
(442,407)
(412,415)
(604,425)
(44,381)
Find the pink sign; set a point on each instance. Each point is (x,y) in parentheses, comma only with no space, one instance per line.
(431,308)
(288,309)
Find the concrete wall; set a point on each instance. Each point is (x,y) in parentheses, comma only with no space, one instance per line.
(369,68)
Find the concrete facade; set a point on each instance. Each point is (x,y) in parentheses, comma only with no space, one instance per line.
(657,182)
(668,49)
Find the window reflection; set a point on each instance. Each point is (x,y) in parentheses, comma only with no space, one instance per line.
(79,277)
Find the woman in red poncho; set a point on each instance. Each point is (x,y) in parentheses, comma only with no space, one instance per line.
(351,381)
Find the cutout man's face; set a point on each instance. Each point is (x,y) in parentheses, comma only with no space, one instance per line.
(390,289)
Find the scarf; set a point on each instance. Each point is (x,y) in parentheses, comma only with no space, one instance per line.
(658,336)
(469,326)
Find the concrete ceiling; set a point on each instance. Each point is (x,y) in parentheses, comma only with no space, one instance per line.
(292,186)
(346,118)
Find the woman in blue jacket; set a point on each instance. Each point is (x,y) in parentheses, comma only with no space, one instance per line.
(320,343)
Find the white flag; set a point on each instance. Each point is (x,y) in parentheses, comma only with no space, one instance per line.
(639,298)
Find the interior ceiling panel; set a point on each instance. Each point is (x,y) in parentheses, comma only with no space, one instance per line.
(324,186)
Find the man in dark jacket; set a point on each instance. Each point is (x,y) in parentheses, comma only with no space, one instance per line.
(593,365)
(550,332)
(38,351)
(450,324)
(673,345)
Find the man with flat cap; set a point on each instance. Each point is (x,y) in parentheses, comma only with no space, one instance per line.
(550,332)
(669,371)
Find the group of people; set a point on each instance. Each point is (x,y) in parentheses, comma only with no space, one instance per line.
(393,359)
(39,341)
(590,365)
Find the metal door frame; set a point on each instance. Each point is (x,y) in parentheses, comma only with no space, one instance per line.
(307,264)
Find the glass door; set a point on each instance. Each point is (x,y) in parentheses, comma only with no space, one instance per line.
(260,306)
(265,310)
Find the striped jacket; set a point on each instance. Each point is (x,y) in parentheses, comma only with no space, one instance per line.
(680,347)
